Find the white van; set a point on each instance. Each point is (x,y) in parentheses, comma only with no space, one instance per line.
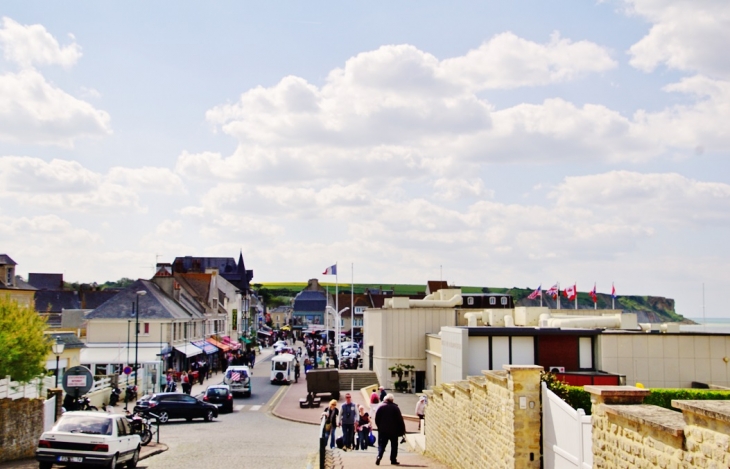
(238,378)
(282,368)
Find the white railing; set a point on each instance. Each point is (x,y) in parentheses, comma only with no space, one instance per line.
(49,413)
(35,388)
(566,434)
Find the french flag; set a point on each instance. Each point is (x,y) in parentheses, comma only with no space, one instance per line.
(331,270)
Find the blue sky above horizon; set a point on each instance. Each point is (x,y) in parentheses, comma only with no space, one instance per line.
(512,143)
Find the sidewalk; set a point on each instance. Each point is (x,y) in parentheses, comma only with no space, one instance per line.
(288,409)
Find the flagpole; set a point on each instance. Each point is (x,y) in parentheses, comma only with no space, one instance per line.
(540,298)
(337,311)
(352,302)
(558,295)
(595,300)
(326,320)
(613,297)
(575,292)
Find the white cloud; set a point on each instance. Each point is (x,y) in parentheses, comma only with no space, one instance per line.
(67,185)
(33,111)
(33,45)
(690,35)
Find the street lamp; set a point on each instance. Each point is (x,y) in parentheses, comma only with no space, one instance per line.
(337,327)
(136,335)
(58,347)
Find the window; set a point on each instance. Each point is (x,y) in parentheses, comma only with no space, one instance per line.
(503,300)
(492,300)
(359,309)
(146,329)
(10,277)
(470,300)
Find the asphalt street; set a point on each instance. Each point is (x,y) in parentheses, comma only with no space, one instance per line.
(250,437)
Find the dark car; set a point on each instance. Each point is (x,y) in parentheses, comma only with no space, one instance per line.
(220,396)
(175,405)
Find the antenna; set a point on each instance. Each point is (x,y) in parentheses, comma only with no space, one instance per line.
(704,321)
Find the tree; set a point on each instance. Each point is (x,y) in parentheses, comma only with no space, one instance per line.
(399,369)
(22,341)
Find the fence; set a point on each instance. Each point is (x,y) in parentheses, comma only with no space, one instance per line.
(49,413)
(566,434)
(37,387)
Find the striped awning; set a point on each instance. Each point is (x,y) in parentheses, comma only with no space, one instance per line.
(220,345)
(205,346)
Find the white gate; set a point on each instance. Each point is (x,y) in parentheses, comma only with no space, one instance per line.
(566,434)
(49,413)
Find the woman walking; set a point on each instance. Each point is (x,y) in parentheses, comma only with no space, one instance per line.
(331,414)
(363,429)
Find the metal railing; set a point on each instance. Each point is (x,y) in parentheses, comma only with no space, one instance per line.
(322,442)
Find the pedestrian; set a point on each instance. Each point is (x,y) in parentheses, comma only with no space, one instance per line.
(296,371)
(252,358)
(374,403)
(348,417)
(390,427)
(382,393)
(421,410)
(363,429)
(330,424)
(185,382)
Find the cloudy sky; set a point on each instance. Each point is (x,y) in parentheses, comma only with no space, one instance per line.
(501,143)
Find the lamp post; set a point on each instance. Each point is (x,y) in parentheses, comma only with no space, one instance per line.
(58,347)
(136,335)
(337,327)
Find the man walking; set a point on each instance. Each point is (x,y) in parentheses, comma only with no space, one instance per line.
(348,416)
(389,421)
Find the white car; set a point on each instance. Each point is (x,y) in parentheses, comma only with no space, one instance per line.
(238,378)
(89,439)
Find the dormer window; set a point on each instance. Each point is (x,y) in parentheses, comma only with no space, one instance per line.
(11,276)
(492,300)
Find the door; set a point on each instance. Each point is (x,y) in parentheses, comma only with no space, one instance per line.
(420,381)
(370,357)
(191,407)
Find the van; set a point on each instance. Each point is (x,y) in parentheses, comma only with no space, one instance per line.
(238,378)
(282,368)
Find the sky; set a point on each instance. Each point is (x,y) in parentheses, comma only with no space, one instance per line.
(489,143)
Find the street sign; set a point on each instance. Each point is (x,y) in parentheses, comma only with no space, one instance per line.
(78,380)
(127,370)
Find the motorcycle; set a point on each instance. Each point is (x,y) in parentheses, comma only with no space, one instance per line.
(114,396)
(140,425)
(83,403)
(130,394)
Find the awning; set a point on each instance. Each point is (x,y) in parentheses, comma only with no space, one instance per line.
(263,332)
(245,340)
(286,328)
(220,345)
(207,348)
(189,350)
(165,351)
(117,355)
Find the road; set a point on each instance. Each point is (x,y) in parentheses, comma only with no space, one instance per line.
(250,437)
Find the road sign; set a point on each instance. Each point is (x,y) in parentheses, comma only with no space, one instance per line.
(78,380)
(127,370)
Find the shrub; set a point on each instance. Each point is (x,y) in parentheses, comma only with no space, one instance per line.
(663,397)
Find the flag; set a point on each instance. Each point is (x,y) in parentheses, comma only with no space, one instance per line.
(593,294)
(553,292)
(331,270)
(570,292)
(613,292)
(535,294)
(235,376)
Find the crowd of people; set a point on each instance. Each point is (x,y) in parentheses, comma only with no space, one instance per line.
(356,424)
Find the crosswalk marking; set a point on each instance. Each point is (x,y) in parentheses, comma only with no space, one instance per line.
(250,408)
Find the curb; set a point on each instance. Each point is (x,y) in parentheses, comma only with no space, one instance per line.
(159,448)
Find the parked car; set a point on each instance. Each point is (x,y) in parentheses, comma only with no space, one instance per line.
(239,379)
(219,395)
(174,405)
(87,438)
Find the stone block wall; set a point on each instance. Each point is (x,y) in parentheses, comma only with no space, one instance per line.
(487,421)
(21,424)
(628,434)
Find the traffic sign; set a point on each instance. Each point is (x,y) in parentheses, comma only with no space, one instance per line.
(127,370)
(78,380)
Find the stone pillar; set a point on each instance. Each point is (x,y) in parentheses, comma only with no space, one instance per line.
(523,382)
(58,392)
(600,397)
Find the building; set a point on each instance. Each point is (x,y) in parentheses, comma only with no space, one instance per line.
(12,285)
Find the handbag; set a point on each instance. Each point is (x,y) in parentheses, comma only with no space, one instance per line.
(327,426)
(371,438)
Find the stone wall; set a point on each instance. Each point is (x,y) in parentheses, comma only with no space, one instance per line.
(628,434)
(487,421)
(21,424)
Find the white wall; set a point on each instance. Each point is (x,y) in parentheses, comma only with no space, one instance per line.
(478,356)
(454,352)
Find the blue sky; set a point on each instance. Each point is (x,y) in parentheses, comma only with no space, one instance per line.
(512,143)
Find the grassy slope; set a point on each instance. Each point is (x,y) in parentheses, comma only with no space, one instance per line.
(661,308)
